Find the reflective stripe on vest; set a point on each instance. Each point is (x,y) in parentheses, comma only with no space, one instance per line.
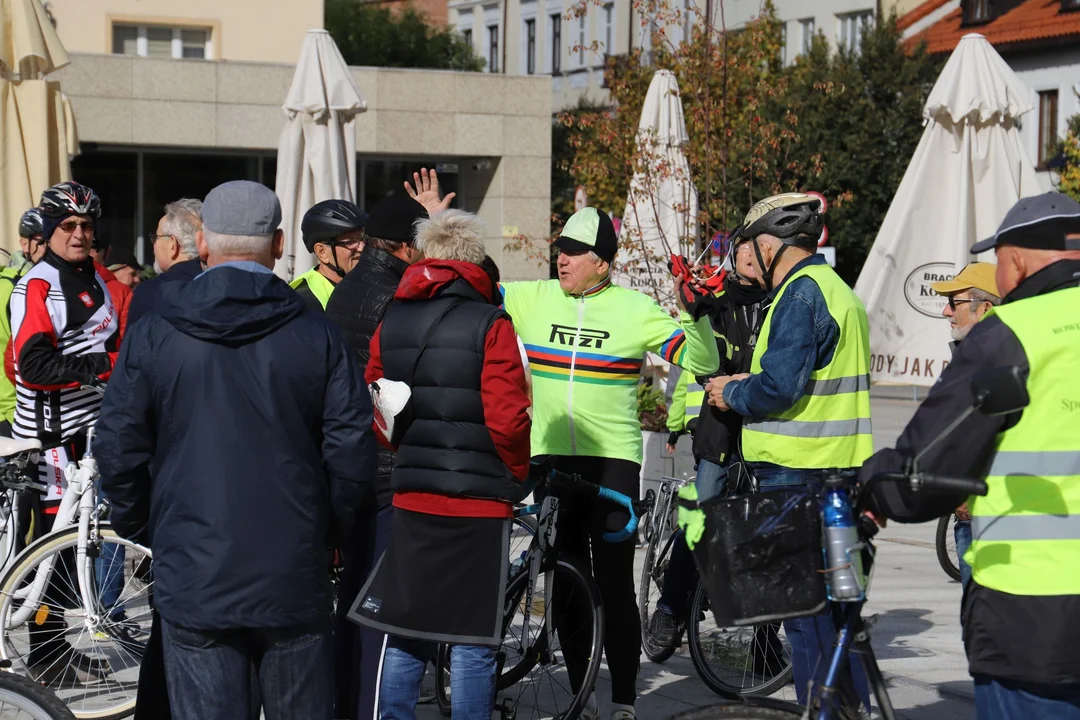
(1026,530)
(319,285)
(695,398)
(829,426)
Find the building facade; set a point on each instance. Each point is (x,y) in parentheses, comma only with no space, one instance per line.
(1039,39)
(551,37)
(161,118)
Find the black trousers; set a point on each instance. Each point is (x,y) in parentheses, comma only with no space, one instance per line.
(582,524)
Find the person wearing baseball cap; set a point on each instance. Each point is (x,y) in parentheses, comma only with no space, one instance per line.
(1025,530)
(250,411)
(969,295)
(586,339)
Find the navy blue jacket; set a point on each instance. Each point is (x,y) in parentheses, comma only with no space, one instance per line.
(145,297)
(235,437)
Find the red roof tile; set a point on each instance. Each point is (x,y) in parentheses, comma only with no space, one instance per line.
(1030,21)
(909,19)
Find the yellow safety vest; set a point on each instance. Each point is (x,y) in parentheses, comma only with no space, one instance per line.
(320,287)
(829,426)
(1026,531)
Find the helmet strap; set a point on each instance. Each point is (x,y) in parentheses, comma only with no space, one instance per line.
(767,271)
(334,265)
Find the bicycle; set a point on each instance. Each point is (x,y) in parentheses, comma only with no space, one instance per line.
(531,656)
(827,700)
(754,660)
(56,597)
(23,699)
(945,544)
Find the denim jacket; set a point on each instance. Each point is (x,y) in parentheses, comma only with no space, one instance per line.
(802,339)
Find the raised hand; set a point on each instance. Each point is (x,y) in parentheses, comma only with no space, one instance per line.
(424,189)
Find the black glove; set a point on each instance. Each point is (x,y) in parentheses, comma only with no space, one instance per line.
(673,438)
(697,302)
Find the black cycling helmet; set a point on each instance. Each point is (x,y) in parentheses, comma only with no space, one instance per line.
(30,223)
(70,198)
(330,219)
(794,218)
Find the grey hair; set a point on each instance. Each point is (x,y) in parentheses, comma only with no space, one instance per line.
(451,235)
(237,245)
(183,219)
(983,296)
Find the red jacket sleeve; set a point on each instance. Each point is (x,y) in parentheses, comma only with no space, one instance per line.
(373,372)
(505,398)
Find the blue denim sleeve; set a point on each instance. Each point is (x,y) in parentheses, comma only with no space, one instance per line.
(802,339)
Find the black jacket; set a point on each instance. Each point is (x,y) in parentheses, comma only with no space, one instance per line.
(356,307)
(736,317)
(447,448)
(1026,639)
(145,297)
(235,436)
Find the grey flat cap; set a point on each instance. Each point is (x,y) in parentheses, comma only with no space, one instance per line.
(241,207)
(1039,222)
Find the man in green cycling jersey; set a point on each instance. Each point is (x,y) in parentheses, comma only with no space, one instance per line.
(585,339)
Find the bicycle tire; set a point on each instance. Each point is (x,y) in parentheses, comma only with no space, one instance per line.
(26,695)
(655,653)
(570,572)
(738,711)
(698,610)
(26,563)
(941,543)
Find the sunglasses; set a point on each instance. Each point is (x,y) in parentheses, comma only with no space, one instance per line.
(953,302)
(69,226)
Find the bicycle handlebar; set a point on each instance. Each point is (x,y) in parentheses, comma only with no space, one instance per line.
(924,481)
(575,483)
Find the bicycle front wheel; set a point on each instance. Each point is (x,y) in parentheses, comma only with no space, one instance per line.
(549,672)
(946,547)
(90,656)
(650,588)
(748,660)
(23,699)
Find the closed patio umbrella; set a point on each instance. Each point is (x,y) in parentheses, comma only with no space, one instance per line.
(969,168)
(37,132)
(317,149)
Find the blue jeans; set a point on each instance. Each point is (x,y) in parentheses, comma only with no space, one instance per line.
(109,568)
(472,679)
(811,638)
(1001,700)
(711,480)
(962,533)
(209,672)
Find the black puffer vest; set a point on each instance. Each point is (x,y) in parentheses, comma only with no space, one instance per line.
(448,449)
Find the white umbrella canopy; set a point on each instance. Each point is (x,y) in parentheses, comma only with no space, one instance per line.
(969,168)
(317,149)
(662,204)
(37,126)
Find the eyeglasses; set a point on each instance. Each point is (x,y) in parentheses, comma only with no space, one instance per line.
(69,226)
(953,302)
(351,244)
(154,237)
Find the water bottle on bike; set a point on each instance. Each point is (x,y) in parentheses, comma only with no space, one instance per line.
(843,557)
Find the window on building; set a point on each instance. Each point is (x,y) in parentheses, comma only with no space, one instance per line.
(977,11)
(556,44)
(581,42)
(530,46)
(493,48)
(850,30)
(807,26)
(466,34)
(1048,129)
(161,41)
(609,29)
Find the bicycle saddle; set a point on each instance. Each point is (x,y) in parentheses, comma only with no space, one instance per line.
(10,447)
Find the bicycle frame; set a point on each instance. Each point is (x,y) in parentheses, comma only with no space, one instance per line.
(78,502)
